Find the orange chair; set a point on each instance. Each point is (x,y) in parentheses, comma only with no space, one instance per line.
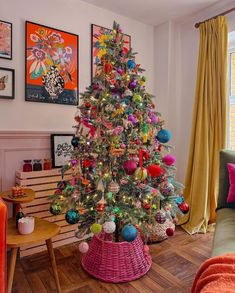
(3,224)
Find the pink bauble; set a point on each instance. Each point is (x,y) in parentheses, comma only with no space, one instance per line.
(169,160)
(130,167)
(83,247)
(146,248)
(154,119)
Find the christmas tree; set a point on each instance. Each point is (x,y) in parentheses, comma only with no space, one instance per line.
(123,172)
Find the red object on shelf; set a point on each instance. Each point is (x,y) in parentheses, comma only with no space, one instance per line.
(3,249)
(47,164)
(17,191)
(27,167)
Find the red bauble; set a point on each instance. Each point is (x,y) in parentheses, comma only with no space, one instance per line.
(95,86)
(86,163)
(87,105)
(58,191)
(108,68)
(155,170)
(146,155)
(130,167)
(147,206)
(100,207)
(184,207)
(169,231)
(125,50)
(77,118)
(137,141)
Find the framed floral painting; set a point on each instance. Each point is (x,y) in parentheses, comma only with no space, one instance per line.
(96,51)
(51,65)
(5,40)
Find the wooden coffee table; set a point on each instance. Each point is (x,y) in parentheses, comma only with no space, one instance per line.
(43,231)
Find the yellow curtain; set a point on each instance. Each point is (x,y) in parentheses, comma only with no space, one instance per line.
(208,134)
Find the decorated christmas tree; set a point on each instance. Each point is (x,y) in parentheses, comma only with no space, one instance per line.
(123,172)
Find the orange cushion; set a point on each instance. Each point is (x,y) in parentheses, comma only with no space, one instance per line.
(3,223)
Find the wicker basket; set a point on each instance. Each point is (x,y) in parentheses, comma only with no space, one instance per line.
(116,262)
(157,232)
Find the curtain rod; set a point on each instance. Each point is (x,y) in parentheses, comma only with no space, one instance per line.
(221,14)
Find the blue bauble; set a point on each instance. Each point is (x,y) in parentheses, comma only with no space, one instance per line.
(129,233)
(75,141)
(131,64)
(163,135)
(179,199)
(72,216)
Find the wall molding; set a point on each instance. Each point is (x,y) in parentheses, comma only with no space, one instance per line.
(14,134)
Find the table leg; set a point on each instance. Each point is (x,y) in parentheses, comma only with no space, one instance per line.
(11,268)
(53,263)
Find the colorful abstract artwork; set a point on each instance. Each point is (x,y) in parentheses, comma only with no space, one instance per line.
(5,40)
(98,48)
(7,83)
(51,65)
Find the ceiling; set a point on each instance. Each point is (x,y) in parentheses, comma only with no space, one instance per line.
(153,12)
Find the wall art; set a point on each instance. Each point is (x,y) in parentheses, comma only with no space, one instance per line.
(5,40)
(7,83)
(51,65)
(61,149)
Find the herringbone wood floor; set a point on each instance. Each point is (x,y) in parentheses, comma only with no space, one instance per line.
(175,262)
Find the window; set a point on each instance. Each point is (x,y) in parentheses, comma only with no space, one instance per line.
(231,90)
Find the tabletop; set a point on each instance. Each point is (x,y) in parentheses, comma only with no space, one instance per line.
(43,230)
(28,197)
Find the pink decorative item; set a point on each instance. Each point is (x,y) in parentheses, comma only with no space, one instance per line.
(169,160)
(158,232)
(116,262)
(26,225)
(113,187)
(129,167)
(118,130)
(154,119)
(231,193)
(83,247)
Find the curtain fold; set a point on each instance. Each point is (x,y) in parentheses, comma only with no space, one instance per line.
(208,134)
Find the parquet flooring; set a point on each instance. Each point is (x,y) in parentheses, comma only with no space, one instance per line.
(175,262)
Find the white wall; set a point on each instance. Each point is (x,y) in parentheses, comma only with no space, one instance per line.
(176,51)
(73,16)
(168,52)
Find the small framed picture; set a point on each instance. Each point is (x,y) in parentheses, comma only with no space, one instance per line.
(61,149)
(5,40)
(7,83)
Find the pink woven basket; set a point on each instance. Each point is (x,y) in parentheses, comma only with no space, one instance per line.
(116,262)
